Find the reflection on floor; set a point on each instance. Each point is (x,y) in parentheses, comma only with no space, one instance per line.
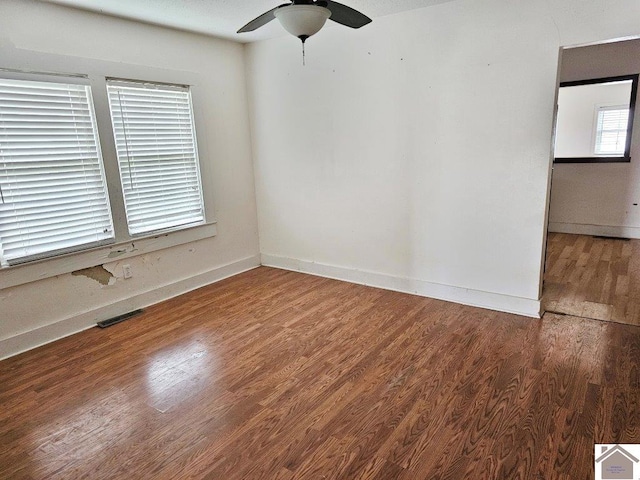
(593,277)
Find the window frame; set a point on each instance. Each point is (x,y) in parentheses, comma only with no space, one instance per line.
(124,245)
(83,83)
(626,157)
(119,82)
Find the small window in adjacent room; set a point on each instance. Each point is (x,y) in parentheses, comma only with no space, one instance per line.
(611,130)
(53,197)
(595,120)
(157,155)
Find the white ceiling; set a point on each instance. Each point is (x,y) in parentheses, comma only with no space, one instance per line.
(222,18)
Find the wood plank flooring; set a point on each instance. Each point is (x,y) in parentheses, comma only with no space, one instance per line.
(593,277)
(279,375)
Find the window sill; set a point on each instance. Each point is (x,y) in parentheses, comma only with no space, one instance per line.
(592,160)
(39,270)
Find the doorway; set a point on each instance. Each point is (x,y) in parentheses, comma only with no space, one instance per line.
(592,266)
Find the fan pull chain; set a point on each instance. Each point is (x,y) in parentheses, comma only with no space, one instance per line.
(303,39)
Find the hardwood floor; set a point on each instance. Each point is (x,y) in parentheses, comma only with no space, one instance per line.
(593,277)
(279,375)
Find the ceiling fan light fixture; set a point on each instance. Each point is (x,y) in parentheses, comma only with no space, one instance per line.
(302,21)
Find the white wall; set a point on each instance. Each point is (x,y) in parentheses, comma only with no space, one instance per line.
(598,199)
(578,112)
(37,35)
(414,153)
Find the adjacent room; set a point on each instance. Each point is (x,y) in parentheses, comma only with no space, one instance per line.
(593,258)
(245,256)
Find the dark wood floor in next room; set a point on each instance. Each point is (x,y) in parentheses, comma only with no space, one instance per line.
(593,277)
(279,375)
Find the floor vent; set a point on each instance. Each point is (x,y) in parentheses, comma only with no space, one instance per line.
(604,237)
(118,319)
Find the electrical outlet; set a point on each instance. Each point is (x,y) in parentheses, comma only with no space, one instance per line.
(126,270)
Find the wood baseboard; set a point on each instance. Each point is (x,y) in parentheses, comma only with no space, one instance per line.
(596,230)
(475,298)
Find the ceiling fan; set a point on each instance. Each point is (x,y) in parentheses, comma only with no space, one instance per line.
(303,18)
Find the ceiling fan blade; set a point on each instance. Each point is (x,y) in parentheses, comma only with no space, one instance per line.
(261,20)
(346,15)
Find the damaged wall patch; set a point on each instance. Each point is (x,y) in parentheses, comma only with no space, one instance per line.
(98,273)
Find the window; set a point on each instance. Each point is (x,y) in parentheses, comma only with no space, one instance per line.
(53,197)
(157,155)
(611,130)
(595,120)
(54,186)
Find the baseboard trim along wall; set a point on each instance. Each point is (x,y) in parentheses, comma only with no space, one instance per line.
(474,298)
(63,328)
(598,230)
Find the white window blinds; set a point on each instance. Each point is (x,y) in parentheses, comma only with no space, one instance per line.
(53,198)
(611,130)
(157,155)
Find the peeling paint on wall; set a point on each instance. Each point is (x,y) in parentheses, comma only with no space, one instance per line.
(98,273)
(117,253)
